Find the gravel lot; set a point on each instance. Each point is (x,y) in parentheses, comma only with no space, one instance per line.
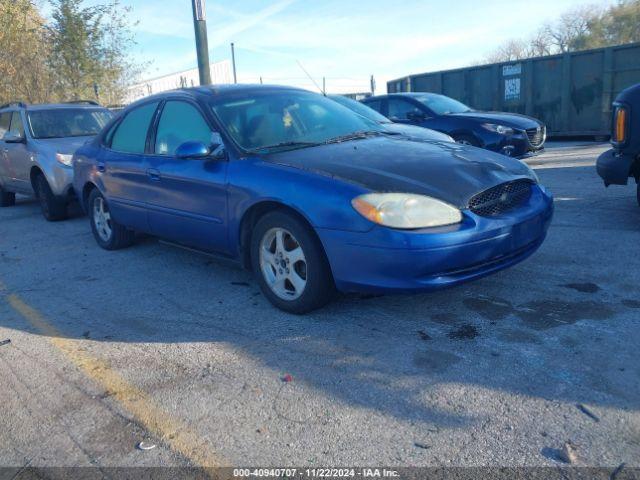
(178,349)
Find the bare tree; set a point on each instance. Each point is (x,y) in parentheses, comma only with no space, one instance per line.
(581,28)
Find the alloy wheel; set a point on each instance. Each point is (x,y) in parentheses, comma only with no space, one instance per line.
(283,264)
(102,219)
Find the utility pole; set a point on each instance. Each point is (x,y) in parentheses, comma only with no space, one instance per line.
(202,43)
(233,62)
(324,86)
(373,85)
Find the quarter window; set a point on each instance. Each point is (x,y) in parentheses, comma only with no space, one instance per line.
(400,109)
(131,134)
(17,127)
(5,122)
(180,122)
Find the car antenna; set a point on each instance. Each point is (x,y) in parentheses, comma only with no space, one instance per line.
(311,78)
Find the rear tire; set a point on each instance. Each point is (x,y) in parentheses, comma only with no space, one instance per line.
(7,199)
(466,140)
(53,208)
(290,264)
(109,234)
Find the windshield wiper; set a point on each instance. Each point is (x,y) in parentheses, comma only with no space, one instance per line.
(353,136)
(285,145)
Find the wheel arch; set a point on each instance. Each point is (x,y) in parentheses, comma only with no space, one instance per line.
(33,174)
(253,214)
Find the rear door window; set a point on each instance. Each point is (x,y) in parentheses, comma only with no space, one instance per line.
(399,109)
(131,133)
(5,123)
(375,104)
(180,122)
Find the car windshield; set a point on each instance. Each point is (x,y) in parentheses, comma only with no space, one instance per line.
(67,122)
(288,119)
(360,108)
(441,105)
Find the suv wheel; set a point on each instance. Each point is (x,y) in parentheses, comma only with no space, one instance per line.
(109,234)
(7,199)
(53,208)
(289,263)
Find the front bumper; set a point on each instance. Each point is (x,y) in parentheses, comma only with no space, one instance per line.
(387,260)
(614,167)
(60,180)
(516,145)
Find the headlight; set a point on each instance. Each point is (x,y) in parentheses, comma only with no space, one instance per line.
(64,159)
(405,210)
(501,129)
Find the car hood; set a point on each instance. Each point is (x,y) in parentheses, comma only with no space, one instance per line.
(448,171)
(513,120)
(67,145)
(416,133)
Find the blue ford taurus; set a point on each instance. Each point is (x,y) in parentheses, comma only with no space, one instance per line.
(309,195)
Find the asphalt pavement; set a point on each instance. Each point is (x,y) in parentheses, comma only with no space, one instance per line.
(177,349)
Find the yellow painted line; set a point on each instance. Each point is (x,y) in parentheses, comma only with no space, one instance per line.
(171,430)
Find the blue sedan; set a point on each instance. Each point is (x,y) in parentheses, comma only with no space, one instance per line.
(511,134)
(311,196)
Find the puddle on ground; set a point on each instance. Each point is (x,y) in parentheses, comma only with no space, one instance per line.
(445,318)
(518,336)
(631,303)
(435,361)
(583,287)
(465,332)
(490,308)
(542,314)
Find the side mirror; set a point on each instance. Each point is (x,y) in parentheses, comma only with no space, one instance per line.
(192,150)
(13,138)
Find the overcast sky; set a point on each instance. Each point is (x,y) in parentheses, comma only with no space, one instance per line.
(343,40)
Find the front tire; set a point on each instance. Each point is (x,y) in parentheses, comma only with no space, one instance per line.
(109,234)
(53,208)
(290,265)
(466,140)
(7,199)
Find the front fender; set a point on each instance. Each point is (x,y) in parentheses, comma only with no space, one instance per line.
(324,201)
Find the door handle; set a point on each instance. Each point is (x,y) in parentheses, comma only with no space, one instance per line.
(154,174)
(101,167)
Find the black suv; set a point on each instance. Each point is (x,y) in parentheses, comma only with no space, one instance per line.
(615,166)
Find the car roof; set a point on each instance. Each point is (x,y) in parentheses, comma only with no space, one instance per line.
(216,90)
(405,94)
(49,106)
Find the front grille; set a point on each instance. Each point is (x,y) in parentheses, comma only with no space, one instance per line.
(501,198)
(536,136)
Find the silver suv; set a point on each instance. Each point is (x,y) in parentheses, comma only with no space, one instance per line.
(37,143)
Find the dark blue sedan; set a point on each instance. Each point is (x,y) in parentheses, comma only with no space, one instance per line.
(309,195)
(511,134)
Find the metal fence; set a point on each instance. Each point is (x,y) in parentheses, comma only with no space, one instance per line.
(571,93)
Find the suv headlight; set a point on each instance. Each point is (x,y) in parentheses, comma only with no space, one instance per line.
(501,129)
(64,159)
(405,210)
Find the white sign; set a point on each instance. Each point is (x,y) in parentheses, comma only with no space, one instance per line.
(509,70)
(512,88)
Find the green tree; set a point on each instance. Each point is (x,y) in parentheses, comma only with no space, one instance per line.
(24,72)
(90,48)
